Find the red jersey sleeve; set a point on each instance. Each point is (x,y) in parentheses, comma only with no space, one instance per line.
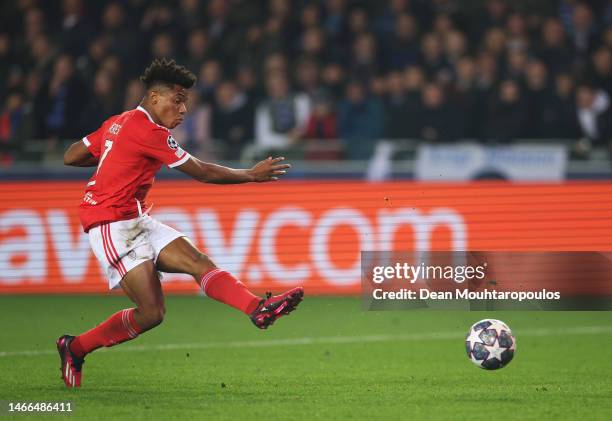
(93,141)
(162,146)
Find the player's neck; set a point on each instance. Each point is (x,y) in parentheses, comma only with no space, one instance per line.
(150,112)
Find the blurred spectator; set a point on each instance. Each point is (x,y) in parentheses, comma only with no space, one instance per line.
(537,96)
(134,93)
(210,77)
(433,61)
(232,121)
(65,100)
(11,116)
(361,121)
(591,105)
(102,103)
(77,31)
(438,120)
(280,119)
(401,109)
(554,49)
(403,46)
(321,131)
(600,71)
(364,64)
(507,115)
(197,50)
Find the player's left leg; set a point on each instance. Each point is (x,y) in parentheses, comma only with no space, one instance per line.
(181,256)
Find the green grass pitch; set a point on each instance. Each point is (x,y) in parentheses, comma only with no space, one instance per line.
(328,360)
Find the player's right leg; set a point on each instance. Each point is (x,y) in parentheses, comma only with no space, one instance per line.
(141,284)
(124,251)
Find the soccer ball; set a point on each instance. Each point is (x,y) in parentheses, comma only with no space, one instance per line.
(490,344)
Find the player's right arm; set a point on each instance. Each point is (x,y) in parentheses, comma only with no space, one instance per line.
(78,155)
(86,152)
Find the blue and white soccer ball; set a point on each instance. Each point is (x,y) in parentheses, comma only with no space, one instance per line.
(490,344)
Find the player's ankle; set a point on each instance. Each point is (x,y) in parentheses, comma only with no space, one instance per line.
(76,348)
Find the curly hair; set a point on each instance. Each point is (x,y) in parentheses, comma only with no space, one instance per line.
(167,72)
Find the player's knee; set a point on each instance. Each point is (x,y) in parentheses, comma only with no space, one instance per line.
(200,264)
(153,315)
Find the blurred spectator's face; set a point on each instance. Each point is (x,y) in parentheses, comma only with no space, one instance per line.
(278,87)
(552,33)
(72,7)
(5,44)
(310,16)
(607,37)
(312,41)
(602,61)
(466,69)
(321,108)
(517,60)
(536,74)
(63,69)
(134,93)
(358,21)
(509,92)
(516,24)
(198,42)
(163,46)
(190,6)
(113,16)
(496,8)
(414,78)
(40,47)
(487,66)
(217,8)
(433,96)
(398,6)
(378,86)
(355,93)
(585,97)
(308,74)
(246,78)
(112,66)
(210,73)
(103,84)
(582,16)
(405,27)
(34,21)
(273,26)
(33,83)
(276,63)
(495,41)
(430,45)
(14,102)
(225,94)
(279,8)
(564,85)
(455,44)
(365,49)
(395,84)
(333,74)
(98,49)
(335,6)
(442,24)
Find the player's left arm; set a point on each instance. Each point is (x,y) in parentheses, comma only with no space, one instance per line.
(269,169)
(78,155)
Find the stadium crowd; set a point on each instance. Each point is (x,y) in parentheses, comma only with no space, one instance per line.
(328,77)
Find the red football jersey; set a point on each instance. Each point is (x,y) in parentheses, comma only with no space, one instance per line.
(131,148)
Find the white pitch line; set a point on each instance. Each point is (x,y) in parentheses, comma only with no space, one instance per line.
(322,340)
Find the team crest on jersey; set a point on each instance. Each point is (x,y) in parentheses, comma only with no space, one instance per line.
(172,143)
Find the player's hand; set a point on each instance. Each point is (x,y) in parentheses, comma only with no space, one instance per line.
(269,169)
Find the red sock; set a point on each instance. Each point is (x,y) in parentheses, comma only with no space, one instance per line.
(119,327)
(222,286)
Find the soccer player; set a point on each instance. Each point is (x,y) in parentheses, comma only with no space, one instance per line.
(128,149)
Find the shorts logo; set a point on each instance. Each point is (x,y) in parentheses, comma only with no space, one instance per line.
(172,143)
